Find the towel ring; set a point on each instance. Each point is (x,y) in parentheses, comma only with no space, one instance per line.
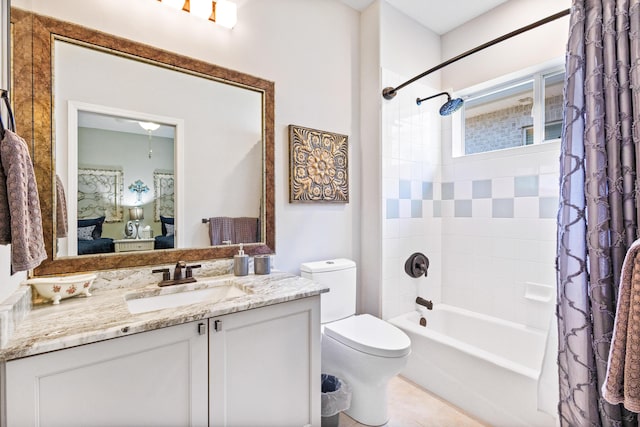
(12,122)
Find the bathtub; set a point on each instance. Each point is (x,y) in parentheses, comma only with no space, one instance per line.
(488,367)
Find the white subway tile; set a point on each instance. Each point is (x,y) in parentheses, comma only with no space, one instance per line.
(549,185)
(390,188)
(503,187)
(405,208)
(482,208)
(526,207)
(390,228)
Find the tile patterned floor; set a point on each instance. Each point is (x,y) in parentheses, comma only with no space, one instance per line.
(412,406)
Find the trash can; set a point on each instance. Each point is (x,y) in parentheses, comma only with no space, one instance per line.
(336,397)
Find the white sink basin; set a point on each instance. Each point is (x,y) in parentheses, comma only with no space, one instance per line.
(210,295)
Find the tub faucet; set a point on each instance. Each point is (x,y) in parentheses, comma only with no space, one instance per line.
(423,302)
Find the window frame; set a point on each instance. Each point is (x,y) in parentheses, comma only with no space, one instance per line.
(538,75)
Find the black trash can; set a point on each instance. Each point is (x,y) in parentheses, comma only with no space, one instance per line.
(336,397)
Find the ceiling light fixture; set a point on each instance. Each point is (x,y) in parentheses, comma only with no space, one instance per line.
(222,12)
(149,127)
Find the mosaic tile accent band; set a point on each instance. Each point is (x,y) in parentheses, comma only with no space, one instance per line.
(527,196)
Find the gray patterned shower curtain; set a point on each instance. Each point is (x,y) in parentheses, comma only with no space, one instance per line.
(599,199)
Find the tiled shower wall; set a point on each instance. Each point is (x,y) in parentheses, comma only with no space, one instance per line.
(487,222)
(499,228)
(411,153)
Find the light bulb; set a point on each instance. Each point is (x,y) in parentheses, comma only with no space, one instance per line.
(201,8)
(226,13)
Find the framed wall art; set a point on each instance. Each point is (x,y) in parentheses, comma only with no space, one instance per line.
(318,166)
(163,201)
(100,193)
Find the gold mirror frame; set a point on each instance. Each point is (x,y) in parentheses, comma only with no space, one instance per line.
(32,41)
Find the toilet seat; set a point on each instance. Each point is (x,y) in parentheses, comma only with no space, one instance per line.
(370,335)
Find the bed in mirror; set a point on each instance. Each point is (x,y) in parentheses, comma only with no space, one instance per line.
(176,163)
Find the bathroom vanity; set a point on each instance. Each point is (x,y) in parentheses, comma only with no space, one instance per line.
(123,356)
(253,359)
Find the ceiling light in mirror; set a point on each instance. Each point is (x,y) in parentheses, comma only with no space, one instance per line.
(149,126)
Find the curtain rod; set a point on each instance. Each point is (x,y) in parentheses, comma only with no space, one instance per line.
(390,92)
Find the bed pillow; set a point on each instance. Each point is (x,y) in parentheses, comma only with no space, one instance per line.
(97,231)
(86,233)
(170,229)
(164,221)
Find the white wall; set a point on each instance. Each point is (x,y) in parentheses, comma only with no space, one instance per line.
(309,49)
(533,47)
(370,270)
(410,156)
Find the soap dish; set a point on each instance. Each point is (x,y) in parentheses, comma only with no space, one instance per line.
(61,287)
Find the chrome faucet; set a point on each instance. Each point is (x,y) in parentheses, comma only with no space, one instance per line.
(423,302)
(177,274)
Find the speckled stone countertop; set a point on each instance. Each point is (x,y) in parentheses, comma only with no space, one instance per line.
(83,320)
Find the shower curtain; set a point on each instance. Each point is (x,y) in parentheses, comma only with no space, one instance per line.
(599,205)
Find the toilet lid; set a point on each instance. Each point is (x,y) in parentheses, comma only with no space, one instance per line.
(370,335)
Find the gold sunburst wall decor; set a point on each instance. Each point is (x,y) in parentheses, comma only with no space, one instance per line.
(319,166)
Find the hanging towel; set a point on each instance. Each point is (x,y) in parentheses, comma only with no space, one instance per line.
(20,216)
(221,229)
(61,209)
(622,383)
(246,230)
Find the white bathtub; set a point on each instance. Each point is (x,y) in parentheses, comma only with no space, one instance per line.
(488,367)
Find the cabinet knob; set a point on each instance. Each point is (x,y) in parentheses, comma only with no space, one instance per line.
(202,328)
(217,325)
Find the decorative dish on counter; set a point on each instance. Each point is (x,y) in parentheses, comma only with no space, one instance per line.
(61,287)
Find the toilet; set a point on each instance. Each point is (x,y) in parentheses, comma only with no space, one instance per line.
(363,350)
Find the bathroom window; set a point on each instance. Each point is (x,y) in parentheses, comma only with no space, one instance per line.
(523,112)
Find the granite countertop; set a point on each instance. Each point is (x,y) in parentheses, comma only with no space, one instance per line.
(83,320)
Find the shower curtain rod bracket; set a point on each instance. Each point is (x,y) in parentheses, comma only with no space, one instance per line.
(390,92)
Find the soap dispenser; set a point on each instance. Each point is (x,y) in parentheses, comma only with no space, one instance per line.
(240,263)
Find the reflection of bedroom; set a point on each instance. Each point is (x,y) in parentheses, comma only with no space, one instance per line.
(113,160)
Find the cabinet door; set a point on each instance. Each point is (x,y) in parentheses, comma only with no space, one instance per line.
(265,366)
(156,378)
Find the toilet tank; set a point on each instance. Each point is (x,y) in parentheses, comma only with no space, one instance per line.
(340,276)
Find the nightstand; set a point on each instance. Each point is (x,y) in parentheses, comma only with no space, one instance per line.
(129,245)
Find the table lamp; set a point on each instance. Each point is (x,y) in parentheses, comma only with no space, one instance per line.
(136,214)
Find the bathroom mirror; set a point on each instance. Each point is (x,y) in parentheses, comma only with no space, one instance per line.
(223,142)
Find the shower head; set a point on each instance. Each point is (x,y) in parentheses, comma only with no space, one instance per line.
(449,107)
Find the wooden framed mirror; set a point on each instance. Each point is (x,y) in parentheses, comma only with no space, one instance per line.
(43,53)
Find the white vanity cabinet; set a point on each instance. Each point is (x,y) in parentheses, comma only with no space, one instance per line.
(259,367)
(264,366)
(155,378)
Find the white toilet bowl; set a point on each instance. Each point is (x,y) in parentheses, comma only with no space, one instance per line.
(366,352)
